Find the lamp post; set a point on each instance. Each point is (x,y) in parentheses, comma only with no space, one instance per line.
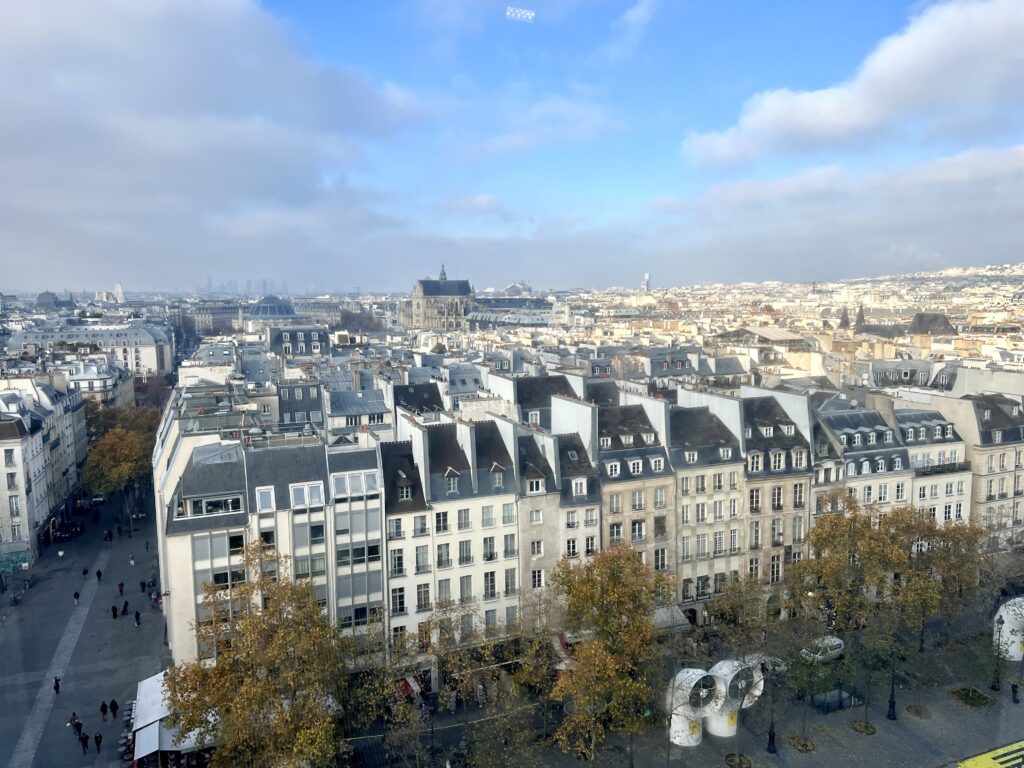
(771,750)
(891,714)
(999,652)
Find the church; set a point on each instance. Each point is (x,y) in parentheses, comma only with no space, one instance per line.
(440,304)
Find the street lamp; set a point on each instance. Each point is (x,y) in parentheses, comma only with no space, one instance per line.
(891,714)
(771,750)
(999,652)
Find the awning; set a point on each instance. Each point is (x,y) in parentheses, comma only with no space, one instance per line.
(147,740)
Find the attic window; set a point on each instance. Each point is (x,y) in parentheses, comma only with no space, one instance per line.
(856,439)
(987,415)
(788,429)
(573,456)
(1015,410)
(453,484)
(691,457)
(910,434)
(636,467)
(871,438)
(613,469)
(725,453)
(579,486)
(497,479)
(534,417)
(888,435)
(748,432)
(649,438)
(606,442)
(534,486)
(767,431)
(627,439)
(997,435)
(842,439)
(657,464)
(404,492)
(949,430)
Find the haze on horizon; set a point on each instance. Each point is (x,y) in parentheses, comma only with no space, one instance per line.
(165,142)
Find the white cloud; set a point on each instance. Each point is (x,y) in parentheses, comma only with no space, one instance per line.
(956,67)
(476,205)
(548,120)
(630,29)
(132,133)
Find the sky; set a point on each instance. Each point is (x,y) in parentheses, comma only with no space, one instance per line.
(332,145)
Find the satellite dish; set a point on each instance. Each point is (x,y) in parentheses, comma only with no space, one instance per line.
(693,694)
(744,684)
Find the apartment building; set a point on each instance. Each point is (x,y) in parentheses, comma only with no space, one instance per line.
(942,484)
(637,485)
(710,506)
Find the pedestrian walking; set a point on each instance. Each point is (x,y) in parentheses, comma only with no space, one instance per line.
(103,710)
(84,741)
(113,612)
(76,598)
(142,586)
(113,708)
(85,574)
(138,618)
(99,575)
(120,588)
(75,724)
(131,559)
(147,545)
(124,608)
(98,739)
(56,686)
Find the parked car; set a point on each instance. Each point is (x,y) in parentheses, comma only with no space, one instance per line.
(824,649)
(98,499)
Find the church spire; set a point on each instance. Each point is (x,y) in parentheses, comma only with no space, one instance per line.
(443,276)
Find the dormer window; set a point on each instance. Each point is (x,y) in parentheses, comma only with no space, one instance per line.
(748,432)
(871,438)
(627,439)
(649,438)
(865,467)
(691,457)
(778,461)
(767,431)
(888,435)
(880,465)
(856,439)
(725,453)
(799,459)
(657,464)
(788,429)
(910,435)
(606,442)
(1015,410)
(404,492)
(534,417)
(497,480)
(842,440)
(997,435)
(922,433)
(636,467)
(579,486)
(534,486)
(987,414)
(897,462)
(452,484)
(938,431)
(613,469)
(949,430)
(754,461)
(851,470)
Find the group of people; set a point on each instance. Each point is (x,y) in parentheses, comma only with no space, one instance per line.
(76,725)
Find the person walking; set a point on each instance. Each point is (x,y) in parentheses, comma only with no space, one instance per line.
(120,588)
(103,710)
(76,724)
(113,708)
(142,586)
(98,739)
(85,574)
(131,559)
(124,608)
(56,686)
(99,575)
(113,612)
(84,741)
(76,598)
(147,545)
(138,618)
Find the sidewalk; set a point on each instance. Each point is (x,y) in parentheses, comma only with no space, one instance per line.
(95,656)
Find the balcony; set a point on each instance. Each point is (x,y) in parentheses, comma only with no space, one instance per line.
(942,469)
(465,526)
(395,573)
(798,504)
(511,592)
(490,557)
(423,608)
(990,497)
(421,531)
(589,552)
(423,568)
(465,559)
(638,507)
(392,535)
(445,563)
(638,538)
(776,507)
(1018,492)
(511,553)
(443,528)
(590,523)
(1003,494)
(755,509)
(490,595)
(572,524)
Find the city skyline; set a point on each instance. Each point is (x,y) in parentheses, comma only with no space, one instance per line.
(279,141)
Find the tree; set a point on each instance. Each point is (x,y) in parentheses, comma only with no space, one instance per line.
(612,598)
(279,674)
(120,457)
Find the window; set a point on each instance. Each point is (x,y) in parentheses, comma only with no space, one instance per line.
(755,535)
(510,581)
(307,495)
(590,517)
(776,569)
(657,464)
(883,492)
(487,512)
(959,510)
(606,442)
(734,540)
(534,417)
(404,492)
(777,497)
(910,435)
(660,559)
(901,491)
(778,462)
(888,436)
(441,522)
(880,465)
(490,585)
(422,559)
(613,469)
(466,589)
(615,502)
(398,601)
(691,457)
(856,439)
(537,579)
(265,499)
(686,514)
(702,545)
(465,552)
(626,439)
(638,500)
(997,435)
(534,486)
(463,520)
(718,543)
(798,495)
(947,512)
(725,453)
(842,441)
(453,484)
(733,507)
(422,597)
(579,487)
(754,568)
(316,533)
(798,530)
(685,548)
(637,530)
(702,512)
(395,528)
(444,556)
(535,516)
(897,463)
(570,519)
(508,514)
(684,486)
(718,508)
(570,548)
(755,499)
(866,494)
(615,532)
(949,430)
(536,548)
(396,562)
(768,431)
(510,545)
(497,480)
(871,438)
(755,462)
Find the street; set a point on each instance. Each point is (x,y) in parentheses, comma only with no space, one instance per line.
(95,656)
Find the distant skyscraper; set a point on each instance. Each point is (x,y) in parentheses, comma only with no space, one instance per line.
(119,293)
(645,284)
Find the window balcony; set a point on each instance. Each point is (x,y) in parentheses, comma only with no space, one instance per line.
(776,507)
(718,553)
(465,559)
(638,538)
(990,497)
(1003,495)
(445,563)
(800,504)
(942,469)
(511,553)
(395,573)
(490,595)
(466,599)
(423,568)
(490,557)
(638,507)
(392,535)
(572,524)
(511,592)
(421,531)
(465,526)
(756,509)
(398,611)
(756,545)
(590,552)
(778,541)
(443,528)
(590,523)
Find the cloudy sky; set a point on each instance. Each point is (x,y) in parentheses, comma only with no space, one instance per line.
(340,144)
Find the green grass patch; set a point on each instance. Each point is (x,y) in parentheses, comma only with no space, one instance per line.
(801,744)
(865,729)
(971,697)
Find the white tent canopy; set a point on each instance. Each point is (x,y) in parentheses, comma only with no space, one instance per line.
(151,709)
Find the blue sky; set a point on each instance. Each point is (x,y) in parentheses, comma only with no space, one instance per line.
(338,144)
